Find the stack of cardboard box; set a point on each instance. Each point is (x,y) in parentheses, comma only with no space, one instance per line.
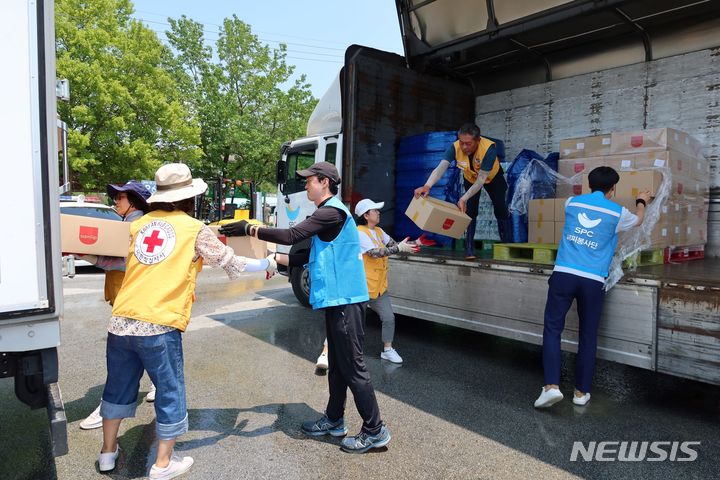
(637,156)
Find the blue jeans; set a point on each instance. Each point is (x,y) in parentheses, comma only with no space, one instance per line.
(162,357)
(589,295)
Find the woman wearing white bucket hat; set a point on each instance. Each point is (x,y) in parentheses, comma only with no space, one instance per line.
(167,251)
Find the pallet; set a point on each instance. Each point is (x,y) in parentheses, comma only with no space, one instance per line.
(543,253)
(684,254)
(655,256)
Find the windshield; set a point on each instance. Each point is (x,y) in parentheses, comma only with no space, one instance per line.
(296,161)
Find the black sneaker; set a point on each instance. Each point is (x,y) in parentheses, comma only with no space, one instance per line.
(362,442)
(324,426)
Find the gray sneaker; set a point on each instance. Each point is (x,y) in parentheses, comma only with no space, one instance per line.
(324,426)
(362,442)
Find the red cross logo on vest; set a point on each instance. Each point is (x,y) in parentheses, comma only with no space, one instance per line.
(154,242)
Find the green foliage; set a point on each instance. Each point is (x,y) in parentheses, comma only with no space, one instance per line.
(127,114)
(136,104)
(240,99)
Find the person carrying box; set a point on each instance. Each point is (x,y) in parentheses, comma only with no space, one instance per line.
(592,222)
(477,158)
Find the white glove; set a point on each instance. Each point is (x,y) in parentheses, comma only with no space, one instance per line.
(406,247)
(272,266)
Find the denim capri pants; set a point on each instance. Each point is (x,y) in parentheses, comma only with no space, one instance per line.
(162,357)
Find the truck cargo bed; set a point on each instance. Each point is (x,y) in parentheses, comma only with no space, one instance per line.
(662,318)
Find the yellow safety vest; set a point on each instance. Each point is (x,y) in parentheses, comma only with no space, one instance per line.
(375,268)
(159,282)
(113,282)
(470,171)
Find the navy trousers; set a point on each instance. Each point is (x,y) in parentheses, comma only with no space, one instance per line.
(589,294)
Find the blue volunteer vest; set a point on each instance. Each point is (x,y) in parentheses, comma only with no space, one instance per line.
(589,237)
(337,274)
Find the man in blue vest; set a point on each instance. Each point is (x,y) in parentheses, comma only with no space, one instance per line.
(592,223)
(476,157)
(337,286)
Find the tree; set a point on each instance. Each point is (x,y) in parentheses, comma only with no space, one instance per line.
(238,98)
(126,114)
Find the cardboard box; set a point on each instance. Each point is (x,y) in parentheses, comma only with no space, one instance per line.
(541,210)
(678,163)
(94,236)
(249,247)
(585,146)
(571,167)
(559,226)
(560,209)
(631,183)
(437,216)
(642,141)
(541,232)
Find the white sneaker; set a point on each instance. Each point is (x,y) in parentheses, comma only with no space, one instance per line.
(106,461)
(391,355)
(177,466)
(94,420)
(582,401)
(548,398)
(150,397)
(322,361)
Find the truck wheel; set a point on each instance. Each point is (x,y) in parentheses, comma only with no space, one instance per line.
(300,281)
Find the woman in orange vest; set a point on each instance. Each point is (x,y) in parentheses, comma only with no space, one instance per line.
(376,246)
(167,250)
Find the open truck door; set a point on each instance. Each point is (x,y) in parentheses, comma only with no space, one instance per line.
(30,262)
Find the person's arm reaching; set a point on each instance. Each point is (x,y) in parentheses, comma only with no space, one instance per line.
(432,179)
(215,254)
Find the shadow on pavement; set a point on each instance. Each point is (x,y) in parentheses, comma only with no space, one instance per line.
(487,385)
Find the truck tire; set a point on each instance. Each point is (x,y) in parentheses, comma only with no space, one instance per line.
(300,281)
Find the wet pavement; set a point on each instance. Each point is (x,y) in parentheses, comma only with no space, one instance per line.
(459,407)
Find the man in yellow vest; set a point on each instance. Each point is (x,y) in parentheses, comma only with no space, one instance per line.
(476,156)
(167,250)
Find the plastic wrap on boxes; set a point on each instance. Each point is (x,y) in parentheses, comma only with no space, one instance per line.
(631,241)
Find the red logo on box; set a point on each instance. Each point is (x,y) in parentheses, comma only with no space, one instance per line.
(636,140)
(579,167)
(88,235)
(448,223)
(680,188)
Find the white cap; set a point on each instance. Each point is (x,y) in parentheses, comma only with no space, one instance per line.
(366,204)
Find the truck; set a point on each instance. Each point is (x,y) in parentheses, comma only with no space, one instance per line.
(531,74)
(31,302)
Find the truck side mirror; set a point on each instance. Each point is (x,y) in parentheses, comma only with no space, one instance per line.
(281,172)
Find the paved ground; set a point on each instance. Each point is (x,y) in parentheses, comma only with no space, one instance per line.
(460,407)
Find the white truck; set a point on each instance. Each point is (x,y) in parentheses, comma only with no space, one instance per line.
(31,302)
(530,73)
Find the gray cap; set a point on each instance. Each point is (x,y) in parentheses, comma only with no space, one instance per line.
(326,169)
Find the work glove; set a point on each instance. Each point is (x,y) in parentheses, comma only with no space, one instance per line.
(235,229)
(271,269)
(406,247)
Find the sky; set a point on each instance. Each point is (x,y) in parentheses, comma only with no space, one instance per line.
(316,32)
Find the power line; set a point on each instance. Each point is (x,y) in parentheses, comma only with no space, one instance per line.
(290,52)
(205,30)
(257,31)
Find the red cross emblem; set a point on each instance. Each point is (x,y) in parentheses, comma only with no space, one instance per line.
(153,241)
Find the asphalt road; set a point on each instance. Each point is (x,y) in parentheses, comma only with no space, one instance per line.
(460,406)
